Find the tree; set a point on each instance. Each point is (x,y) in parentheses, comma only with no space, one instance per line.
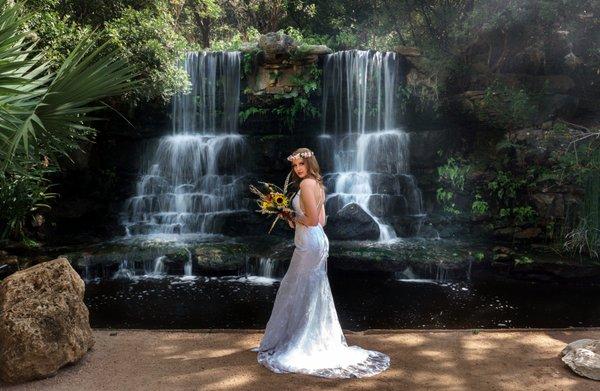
(196,17)
(264,15)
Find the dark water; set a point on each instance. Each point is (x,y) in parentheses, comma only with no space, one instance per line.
(362,302)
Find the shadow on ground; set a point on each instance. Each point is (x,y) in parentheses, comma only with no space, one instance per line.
(445,360)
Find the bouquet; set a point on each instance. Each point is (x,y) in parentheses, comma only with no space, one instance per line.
(275,200)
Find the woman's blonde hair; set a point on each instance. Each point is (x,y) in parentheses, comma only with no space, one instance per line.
(312,167)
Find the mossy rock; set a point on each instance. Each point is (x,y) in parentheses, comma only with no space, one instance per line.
(355,256)
(221,257)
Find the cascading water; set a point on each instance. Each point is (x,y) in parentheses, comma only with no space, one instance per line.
(188,267)
(124,271)
(369,149)
(267,267)
(264,271)
(156,268)
(194,177)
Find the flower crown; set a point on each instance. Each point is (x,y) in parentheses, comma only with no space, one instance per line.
(301,154)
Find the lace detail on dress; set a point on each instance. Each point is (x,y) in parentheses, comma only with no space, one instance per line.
(303,334)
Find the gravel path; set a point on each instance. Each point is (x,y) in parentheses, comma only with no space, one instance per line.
(421,360)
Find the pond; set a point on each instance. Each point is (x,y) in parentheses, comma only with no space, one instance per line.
(363,301)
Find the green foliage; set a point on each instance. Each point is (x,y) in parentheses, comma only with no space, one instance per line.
(505,187)
(45,114)
(504,107)
(585,237)
(249,63)
(423,96)
(247,113)
(22,195)
(235,41)
(263,15)
(291,106)
(196,19)
(305,86)
(446,199)
(479,206)
(452,177)
(454,172)
(56,33)
(145,31)
(523,214)
(579,161)
(346,39)
(504,191)
(523,260)
(289,112)
(148,39)
(591,205)
(91,13)
(559,127)
(304,38)
(479,256)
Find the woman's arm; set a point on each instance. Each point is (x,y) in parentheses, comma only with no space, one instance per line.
(288,218)
(291,223)
(307,196)
(323,216)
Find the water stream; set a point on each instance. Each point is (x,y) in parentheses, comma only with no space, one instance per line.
(193,177)
(361,127)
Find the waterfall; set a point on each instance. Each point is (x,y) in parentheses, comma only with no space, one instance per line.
(370,151)
(156,268)
(266,267)
(441,274)
(188,267)
(409,276)
(264,271)
(193,178)
(124,271)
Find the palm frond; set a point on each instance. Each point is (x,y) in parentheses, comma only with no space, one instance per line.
(42,110)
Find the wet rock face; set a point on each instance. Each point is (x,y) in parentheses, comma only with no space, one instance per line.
(352,223)
(221,258)
(583,357)
(44,323)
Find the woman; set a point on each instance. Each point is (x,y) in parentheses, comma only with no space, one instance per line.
(303,334)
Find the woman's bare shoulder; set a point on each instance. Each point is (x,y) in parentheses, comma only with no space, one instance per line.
(308,183)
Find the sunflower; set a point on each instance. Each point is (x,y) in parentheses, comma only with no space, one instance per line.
(279,199)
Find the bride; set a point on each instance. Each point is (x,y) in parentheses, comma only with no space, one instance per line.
(303,334)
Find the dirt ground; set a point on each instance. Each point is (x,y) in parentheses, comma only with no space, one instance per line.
(420,360)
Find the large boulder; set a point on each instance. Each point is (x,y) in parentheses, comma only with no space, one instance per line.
(44,323)
(352,222)
(583,357)
(276,46)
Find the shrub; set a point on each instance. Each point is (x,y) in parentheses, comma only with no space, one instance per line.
(504,107)
(22,195)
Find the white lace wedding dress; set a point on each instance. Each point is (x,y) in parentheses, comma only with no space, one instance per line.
(303,334)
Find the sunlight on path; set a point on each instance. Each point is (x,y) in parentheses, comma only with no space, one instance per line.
(448,360)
